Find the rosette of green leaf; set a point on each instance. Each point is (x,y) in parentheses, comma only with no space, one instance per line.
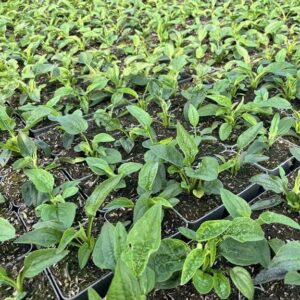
(50,201)
(34,264)
(147,261)
(145,122)
(160,90)
(246,154)
(19,143)
(198,180)
(239,239)
(277,69)
(278,127)
(33,114)
(101,167)
(230,111)
(72,125)
(280,184)
(284,265)
(95,148)
(57,228)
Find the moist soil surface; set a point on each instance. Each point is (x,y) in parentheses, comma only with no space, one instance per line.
(278,154)
(69,278)
(10,252)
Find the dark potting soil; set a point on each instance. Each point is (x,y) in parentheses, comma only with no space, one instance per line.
(171,222)
(67,274)
(278,154)
(192,208)
(10,252)
(239,182)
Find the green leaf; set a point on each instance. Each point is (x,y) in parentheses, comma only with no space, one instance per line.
(207,170)
(124,285)
(142,116)
(45,237)
(193,115)
(221,285)
(42,180)
(26,145)
(63,212)
(248,136)
(168,259)
(203,282)
(104,250)
(143,239)
(269,182)
(211,229)
(6,122)
(100,193)
(244,230)
(187,144)
(129,168)
(235,205)
(243,281)
(225,131)
(73,123)
(246,253)
(243,53)
(93,295)
(292,278)
(168,153)
(7,231)
(295,151)
(147,175)
(194,260)
(273,26)
(286,259)
(221,100)
(269,217)
(121,202)
(38,260)
(69,235)
(84,253)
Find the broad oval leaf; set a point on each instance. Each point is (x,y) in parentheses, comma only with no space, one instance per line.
(203,282)
(192,263)
(42,180)
(243,281)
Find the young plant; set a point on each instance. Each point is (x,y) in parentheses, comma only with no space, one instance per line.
(278,127)
(50,202)
(240,240)
(245,154)
(280,185)
(34,264)
(57,228)
(140,254)
(194,179)
(144,120)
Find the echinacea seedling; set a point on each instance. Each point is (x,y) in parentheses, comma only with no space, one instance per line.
(50,202)
(34,264)
(245,154)
(280,185)
(278,127)
(196,179)
(95,148)
(239,239)
(144,120)
(58,230)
